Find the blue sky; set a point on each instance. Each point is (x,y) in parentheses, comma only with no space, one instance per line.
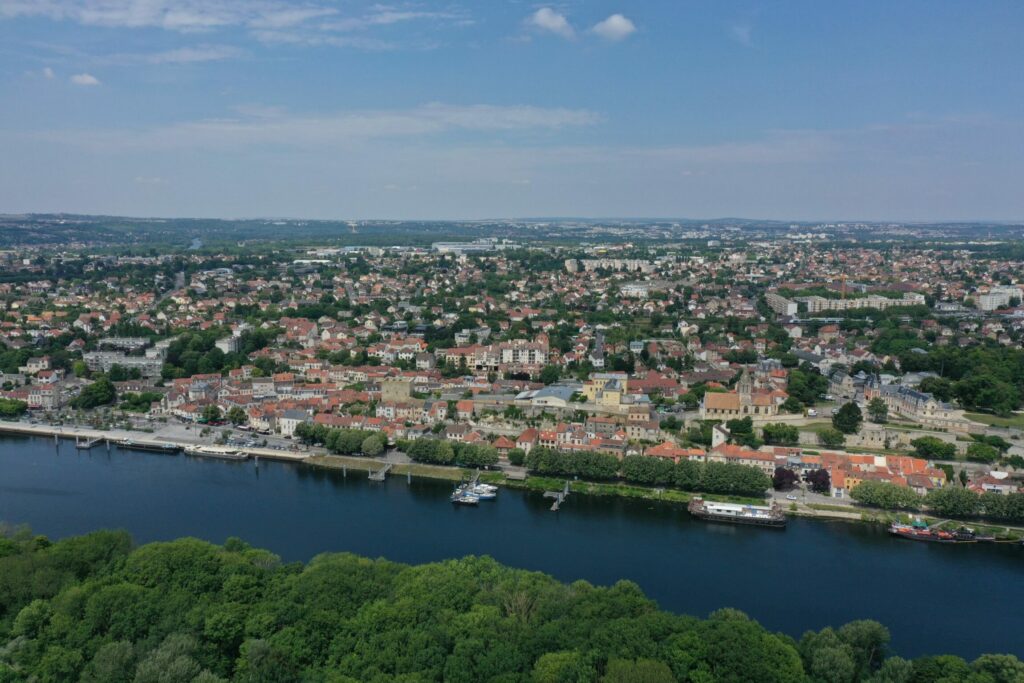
(910,110)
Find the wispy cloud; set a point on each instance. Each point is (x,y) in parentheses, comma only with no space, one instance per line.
(85,79)
(614,28)
(742,34)
(273,126)
(176,15)
(48,73)
(181,55)
(284,18)
(308,22)
(386,16)
(548,20)
(910,170)
(317,38)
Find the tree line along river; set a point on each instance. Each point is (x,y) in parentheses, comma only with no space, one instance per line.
(960,599)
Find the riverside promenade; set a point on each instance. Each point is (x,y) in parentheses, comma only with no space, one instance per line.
(171,434)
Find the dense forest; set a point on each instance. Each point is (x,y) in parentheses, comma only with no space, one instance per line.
(95,609)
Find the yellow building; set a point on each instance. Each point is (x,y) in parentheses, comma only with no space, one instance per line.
(606,388)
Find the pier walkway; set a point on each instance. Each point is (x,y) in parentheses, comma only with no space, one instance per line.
(380,474)
(559,496)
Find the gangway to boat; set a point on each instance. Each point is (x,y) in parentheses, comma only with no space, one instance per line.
(559,496)
(85,443)
(380,474)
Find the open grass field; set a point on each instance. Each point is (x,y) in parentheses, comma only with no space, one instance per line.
(1016,420)
(816,427)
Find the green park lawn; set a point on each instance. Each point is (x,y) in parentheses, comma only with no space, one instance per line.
(1016,420)
(816,427)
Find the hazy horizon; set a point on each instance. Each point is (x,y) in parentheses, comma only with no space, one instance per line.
(532,219)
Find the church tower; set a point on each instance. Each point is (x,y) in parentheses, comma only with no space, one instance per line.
(745,386)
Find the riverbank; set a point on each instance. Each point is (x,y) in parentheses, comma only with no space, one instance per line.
(586,488)
(826,512)
(369,465)
(112,436)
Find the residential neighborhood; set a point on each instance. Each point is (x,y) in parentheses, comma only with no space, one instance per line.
(702,352)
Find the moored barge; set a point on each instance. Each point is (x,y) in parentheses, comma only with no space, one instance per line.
(149,446)
(735,513)
(216,452)
(919,531)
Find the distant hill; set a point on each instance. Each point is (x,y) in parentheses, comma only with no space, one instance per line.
(74,229)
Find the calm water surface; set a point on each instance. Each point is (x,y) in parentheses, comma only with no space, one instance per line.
(960,599)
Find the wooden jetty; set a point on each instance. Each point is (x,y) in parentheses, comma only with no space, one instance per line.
(559,496)
(380,474)
(85,443)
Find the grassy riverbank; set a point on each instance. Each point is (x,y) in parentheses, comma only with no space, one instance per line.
(357,464)
(619,489)
(532,483)
(821,511)
(887,517)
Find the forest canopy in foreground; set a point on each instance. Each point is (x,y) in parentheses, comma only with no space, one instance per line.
(95,609)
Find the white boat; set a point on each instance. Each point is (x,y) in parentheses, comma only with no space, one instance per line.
(483,491)
(216,452)
(463,497)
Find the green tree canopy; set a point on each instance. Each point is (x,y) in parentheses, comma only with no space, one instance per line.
(848,418)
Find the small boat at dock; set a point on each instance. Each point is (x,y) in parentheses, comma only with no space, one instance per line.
(473,492)
(483,491)
(464,497)
(968,534)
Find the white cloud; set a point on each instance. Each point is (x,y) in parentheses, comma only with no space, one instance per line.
(284,18)
(547,19)
(85,79)
(180,15)
(741,33)
(384,16)
(320,39)
(48,72)
(182,55)
(614,28)
(300,22)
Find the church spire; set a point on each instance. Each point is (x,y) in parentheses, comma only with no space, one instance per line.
(745,386)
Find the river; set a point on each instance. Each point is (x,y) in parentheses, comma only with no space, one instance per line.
(963,600)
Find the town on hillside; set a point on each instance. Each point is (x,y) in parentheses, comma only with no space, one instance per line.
(819,363)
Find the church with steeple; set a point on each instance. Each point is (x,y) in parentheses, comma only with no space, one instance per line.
(746,401)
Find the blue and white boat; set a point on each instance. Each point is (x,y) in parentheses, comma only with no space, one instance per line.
(463,497)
